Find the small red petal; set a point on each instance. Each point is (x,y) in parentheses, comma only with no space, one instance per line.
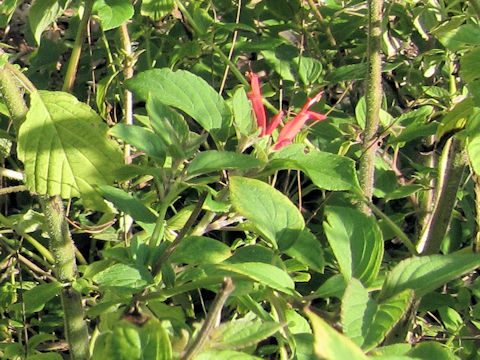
(274,122)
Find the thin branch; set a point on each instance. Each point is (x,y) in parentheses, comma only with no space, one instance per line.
(211,320)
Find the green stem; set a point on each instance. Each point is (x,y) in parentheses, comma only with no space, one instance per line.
(77,47)
(373,99)
(12,98)
(211,320)
(452,166)
(191,220)
(63,251)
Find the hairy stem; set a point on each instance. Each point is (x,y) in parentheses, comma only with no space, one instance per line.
(452,165)
(373,98)
(77,47)
(12,98)
(63,249)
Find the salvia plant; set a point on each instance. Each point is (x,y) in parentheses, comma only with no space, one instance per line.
(239,179)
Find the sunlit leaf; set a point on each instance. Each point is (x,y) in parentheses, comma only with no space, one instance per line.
(356,241)
(329,344)
(64,146)
(426,273)
(187,92)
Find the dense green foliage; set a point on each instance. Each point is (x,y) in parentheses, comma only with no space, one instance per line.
(208,153)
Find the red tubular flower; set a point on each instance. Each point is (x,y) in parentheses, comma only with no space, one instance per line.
(293,127)
(257,102)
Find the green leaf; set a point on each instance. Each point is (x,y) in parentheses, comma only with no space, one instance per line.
(64,146)
(242,333)
(272,213)
(123,275)
(456,118)
(431,350)
(470,65)
(308,250)
(113,13)
(36,298)
(127,341)
(189,93)
(212,160)
(156,9)
(309,69)
(143,139)
(133,207)
(347,73)
(242,112)
(329,344)
(200,250)
(356,241)
(357,311)
(265,274)
(42,14)
(327,171)
(225,354)
(388,314)
(426,273)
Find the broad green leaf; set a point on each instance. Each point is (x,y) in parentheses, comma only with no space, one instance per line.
(127,341)
(242,112)
(388,314)
(113,13)
(329,344)
(123,275)
(272,213)
(347,73)
(356,241)
(451,319)
(459,36)
(308,250)
(42,14)
(309,69)
(187,92)
(327,171)
(357,313)
(225,354)
(156,9)
(200,250)
(143,139)
(281,59)
(212,160)
(456,118)
(426,273)
(64,146)
(334,286)
(470,65)
(168,124)
(255,253)
(431,350)
(133,207)
(242,333)
(473,149)
(265,274)
(36,298)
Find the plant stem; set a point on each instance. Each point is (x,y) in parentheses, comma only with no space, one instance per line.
(77,47)
(12,98)
(128,96)
(62,247)
(452,165)
(212,317)
(373,99)
(171,248)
